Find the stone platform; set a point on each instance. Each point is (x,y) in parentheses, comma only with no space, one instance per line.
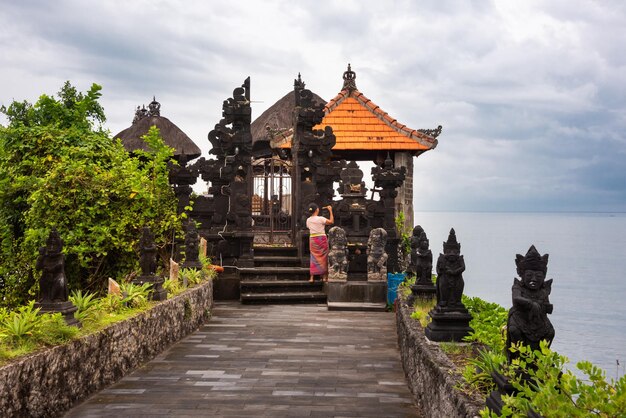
(269,360)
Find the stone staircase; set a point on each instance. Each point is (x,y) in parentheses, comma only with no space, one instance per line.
(278,278)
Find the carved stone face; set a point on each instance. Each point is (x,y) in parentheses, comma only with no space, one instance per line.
(424,244)
(533,279)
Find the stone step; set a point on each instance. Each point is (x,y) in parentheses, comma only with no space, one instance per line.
(273,273)
(279,286)
(284,297)
(275,251)
(276,261)
(357,306)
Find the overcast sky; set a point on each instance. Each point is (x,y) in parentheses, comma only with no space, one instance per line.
(531,94)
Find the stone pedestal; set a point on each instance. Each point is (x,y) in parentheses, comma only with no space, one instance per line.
(66,309)
(421,291)
(226,286)
(356,295)
(157,292)
(448,325)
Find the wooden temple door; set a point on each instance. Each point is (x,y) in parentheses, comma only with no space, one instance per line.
(272,211)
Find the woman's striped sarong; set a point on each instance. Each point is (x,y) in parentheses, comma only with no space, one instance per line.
(319,255)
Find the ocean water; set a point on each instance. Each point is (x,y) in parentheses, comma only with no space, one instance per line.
(587,262)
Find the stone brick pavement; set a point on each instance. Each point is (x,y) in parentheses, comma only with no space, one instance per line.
(269,360)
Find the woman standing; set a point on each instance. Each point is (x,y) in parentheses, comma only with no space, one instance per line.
(318,243)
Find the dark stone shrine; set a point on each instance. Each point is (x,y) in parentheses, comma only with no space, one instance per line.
(528,322)
(53,283)
(148,264)
(421,266)
(192,243)
(450,318)
(225,214)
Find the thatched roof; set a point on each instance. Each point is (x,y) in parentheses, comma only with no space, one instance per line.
(171,134)
(279,117)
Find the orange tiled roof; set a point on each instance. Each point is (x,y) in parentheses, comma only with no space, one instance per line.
(359,124)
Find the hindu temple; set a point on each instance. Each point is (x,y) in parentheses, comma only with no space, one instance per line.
(263,174)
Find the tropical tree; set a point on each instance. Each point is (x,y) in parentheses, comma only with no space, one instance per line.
(60,168)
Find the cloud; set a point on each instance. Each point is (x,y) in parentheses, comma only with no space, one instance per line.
(531,94)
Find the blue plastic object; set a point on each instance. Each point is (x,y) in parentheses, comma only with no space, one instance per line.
(393,281)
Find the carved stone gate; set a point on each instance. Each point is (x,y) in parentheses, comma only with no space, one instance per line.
(272,208)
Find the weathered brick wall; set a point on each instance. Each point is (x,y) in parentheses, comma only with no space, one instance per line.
(47,383)
(429,372)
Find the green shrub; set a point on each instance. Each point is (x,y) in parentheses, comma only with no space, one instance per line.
(134,295)
(53,330)
(60,168)
(421,309)
(86,305)
(553,391)
(404,232)
(192,276)
(21,324)
(477,374)
(488,323)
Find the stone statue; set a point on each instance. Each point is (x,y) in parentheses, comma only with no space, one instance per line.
(450,318)
(528,318)
(450,268)
(191,242)
(51,261)
(338,254)
(376,255)
(148,252)
(421,267)
(421,264)
(148,264)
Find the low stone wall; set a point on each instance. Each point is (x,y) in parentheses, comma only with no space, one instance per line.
(47,383)
(429,372)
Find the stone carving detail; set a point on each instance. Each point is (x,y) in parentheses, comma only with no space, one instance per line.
(421,266)
(450,268)
(192,252)
(349,79)
(311,150)
(338,254)
(421,257)
(225,214)
(148,264)
(376,255)
(51,262)
(450,318)
(434,133)
(528,321)
(53,283)
(386,180)
(147,253)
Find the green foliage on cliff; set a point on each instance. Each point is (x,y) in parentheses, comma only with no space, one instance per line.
(60,168)
(553,391)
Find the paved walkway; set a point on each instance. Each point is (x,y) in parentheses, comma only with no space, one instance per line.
(269,360)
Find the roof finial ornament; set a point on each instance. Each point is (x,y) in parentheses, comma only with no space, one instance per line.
(433,133)
(155,107)
(298,83)
(348,79)
(140,113)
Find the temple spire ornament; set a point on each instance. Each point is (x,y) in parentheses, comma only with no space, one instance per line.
(154,108)
(349,78)
(298,84)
